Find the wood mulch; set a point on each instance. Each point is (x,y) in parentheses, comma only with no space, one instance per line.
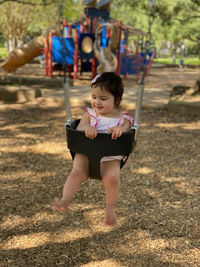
(158,208)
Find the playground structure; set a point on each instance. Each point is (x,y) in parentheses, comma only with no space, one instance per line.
(20,56)
(95,44)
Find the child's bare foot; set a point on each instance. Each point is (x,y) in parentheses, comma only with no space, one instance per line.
(61,206)
(111,218)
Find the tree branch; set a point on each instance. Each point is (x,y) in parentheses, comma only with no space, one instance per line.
(192,39)
(187,19)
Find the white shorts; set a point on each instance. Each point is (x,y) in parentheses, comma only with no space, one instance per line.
(110,158)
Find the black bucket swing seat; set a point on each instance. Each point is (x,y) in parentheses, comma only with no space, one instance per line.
(99,147)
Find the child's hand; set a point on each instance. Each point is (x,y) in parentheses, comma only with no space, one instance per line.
(90,132)
(116,132)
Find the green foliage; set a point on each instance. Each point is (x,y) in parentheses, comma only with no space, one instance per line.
(176,21)
(3,53)
(2,39)
(37,16)
(73,10)
(14,20)
(50,16)
(187,60)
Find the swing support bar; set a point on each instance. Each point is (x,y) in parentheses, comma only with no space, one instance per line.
(140,94)
(67,101)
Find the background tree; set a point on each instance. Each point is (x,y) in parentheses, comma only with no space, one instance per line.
(22,20)
(30,2)
(176,21)
(14,21)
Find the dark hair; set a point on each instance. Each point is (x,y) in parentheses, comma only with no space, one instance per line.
(112,83)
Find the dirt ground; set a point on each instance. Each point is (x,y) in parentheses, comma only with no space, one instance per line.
(159,204)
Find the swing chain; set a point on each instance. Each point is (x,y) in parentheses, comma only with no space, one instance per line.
(66,86)
(151,18)
(144,68)
(148,43)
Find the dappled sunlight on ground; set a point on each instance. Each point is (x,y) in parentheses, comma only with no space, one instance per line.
(187,126)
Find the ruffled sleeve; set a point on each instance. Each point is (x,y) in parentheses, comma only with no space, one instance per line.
(126,116)
(93,116)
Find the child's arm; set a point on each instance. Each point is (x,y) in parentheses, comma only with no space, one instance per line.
(117,131)
(84,125)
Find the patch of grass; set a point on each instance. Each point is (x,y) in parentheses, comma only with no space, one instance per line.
(187,60)
(3,53)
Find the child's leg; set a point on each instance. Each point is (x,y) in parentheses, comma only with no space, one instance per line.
(78,175)
(110,171)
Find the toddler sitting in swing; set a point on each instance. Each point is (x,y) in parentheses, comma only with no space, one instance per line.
(103,117)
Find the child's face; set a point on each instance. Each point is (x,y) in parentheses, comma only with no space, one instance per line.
(102,101)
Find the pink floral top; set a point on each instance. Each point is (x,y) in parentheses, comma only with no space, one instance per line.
(102,124)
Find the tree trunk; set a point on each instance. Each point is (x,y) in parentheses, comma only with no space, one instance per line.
(11,44)
(174,58)
(19,42)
